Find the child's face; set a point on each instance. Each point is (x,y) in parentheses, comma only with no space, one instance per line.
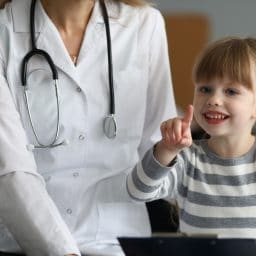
(223,108)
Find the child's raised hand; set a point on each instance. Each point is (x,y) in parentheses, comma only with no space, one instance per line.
(176,133)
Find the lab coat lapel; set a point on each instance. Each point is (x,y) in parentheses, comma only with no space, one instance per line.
(50,41)
(95,32)
(46,34)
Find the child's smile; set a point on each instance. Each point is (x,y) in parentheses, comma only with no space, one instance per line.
(215,117)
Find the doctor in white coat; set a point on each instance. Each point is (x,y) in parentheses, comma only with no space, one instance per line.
(71,199)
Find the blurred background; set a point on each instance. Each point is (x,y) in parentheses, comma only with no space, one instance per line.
(191,24)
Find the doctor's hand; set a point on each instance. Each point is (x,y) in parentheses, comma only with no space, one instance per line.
(176,134)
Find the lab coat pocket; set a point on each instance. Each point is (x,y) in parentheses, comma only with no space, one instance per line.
(122,219)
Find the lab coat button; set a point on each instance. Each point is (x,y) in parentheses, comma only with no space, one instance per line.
(78,89)
(69,211)
(81,137)
(75,174)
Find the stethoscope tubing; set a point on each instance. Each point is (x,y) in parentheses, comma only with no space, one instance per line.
(109,124)
(34,50)
(110,62)
(26,59)
(56,136)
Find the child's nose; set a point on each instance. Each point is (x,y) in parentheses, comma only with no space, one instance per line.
(214,100)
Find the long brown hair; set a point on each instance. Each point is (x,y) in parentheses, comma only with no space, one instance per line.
(229,58)
(129,2)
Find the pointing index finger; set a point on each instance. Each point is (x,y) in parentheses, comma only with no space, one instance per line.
(189,114)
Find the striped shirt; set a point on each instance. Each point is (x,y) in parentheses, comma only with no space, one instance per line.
(215,195)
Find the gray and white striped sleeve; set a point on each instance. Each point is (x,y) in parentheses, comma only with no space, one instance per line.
(150,180)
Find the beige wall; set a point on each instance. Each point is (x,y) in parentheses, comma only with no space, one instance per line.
(187,35)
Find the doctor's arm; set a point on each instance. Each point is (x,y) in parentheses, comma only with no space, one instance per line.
(31,216)
(26,208)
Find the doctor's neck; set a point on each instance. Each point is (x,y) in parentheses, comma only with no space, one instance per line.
(67,14)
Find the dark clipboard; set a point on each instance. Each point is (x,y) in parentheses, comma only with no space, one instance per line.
(180,245)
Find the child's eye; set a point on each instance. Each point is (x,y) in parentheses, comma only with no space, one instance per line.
(205,89)
(231,92)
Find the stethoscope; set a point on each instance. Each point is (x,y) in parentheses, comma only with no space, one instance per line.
(109,123)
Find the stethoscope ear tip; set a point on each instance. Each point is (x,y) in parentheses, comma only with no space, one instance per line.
(65,142)
(30,147)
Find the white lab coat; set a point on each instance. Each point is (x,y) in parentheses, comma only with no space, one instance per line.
(86,178)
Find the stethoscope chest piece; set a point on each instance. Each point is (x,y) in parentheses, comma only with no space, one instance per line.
(109,127)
